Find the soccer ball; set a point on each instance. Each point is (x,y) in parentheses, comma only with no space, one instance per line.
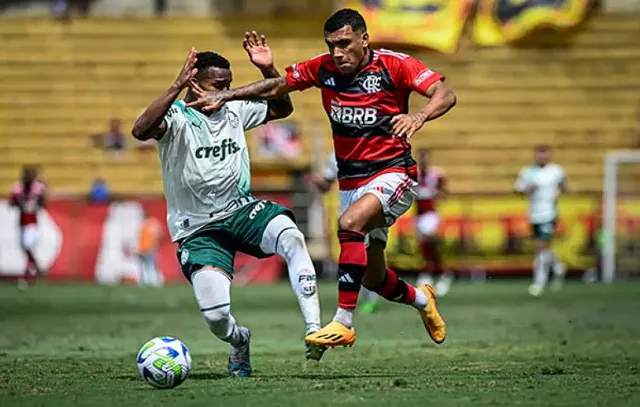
(164,362)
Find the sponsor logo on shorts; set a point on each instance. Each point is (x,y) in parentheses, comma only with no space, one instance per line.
(254,212)
(184,257)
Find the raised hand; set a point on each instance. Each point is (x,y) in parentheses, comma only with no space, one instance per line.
(205,101)
(404,125)
(258,50)
(188,70)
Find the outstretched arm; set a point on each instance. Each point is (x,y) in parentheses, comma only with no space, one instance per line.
(261,56)
(265,89)
(441,100)
(151,122)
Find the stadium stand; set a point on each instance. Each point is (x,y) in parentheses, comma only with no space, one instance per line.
(62,82)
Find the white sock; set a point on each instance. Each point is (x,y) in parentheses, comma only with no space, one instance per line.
(555,264)
(421,300)
(344,316)
(282,236)
(541,268)
(212,290)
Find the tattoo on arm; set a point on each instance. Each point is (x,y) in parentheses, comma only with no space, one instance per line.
(442,99)
(281,106)
(265,89)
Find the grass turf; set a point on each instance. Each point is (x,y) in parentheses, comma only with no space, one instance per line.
(63,345)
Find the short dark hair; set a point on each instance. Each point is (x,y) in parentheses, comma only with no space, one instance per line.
(210,59)
(345,17)
(543,148)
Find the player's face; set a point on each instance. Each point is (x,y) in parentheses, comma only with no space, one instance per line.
(543,157)
(215,79)
(28,175)
(347,48)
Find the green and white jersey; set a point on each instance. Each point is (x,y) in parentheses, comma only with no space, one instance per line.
(205,163)
(542,205)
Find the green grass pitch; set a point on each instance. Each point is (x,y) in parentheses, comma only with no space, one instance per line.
(75,345)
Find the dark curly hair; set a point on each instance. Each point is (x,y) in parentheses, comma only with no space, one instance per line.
(210,59)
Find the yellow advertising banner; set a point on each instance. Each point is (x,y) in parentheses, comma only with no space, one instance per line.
(500,21)
(434,24)
(492,233)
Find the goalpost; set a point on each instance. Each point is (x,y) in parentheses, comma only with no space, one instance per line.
(621,178)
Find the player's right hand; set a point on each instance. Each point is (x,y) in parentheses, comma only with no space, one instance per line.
(206,101)
(188,70)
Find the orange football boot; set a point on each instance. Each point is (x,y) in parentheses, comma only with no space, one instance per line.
(332,335)
(431,318)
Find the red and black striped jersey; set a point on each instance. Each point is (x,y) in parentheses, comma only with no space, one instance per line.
(29,201)
(429,184)
(360,107)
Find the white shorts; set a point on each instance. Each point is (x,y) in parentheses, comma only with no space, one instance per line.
(29,236)
(396,192)
(428,223)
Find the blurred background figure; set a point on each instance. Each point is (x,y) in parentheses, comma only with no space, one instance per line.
(99,192)
(28,195)
(65,9)
(149,239)
(543,182)
(280,139)
(432,188)
(112,141)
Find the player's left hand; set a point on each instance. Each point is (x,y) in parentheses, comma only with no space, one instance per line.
(258,50)
(404,125)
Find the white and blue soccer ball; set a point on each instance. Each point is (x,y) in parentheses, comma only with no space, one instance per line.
(164,362)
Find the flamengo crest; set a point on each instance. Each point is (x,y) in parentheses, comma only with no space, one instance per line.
(372,84)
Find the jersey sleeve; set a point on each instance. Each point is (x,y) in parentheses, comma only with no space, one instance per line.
(253,113)
(413,74)
(174,119)
(304,75)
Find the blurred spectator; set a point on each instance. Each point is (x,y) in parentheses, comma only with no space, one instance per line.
(99,192)
(281,139)
(113,141)
(149,239)
(64,8)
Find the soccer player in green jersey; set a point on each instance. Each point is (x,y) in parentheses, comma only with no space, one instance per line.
(211,213)
(543,182)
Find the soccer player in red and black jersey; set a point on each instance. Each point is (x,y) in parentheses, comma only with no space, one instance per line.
(365,93)
(28,195)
